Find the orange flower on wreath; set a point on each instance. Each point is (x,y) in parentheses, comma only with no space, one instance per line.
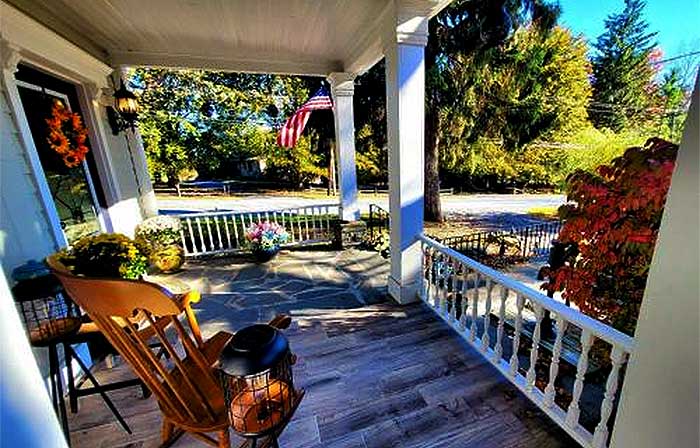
(67,135)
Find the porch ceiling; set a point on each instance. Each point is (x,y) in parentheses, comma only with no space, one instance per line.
(313,37)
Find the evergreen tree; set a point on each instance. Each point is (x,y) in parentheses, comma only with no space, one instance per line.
(470,29)
(622,72)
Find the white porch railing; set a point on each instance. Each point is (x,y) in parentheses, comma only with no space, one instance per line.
(467,295)
(210,233)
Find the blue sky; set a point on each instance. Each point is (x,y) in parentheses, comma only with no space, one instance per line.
(677,21)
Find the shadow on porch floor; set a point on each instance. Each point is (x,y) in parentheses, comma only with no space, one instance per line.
(376,374)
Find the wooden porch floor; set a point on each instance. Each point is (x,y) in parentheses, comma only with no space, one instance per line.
(376,374)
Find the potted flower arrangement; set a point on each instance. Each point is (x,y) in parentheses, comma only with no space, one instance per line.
(264,239)
(105,255)
(159,238)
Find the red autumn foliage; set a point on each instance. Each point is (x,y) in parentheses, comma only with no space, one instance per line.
(613,221)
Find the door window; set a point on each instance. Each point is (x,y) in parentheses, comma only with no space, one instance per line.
(71,187)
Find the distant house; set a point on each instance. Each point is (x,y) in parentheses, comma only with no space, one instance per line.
(251,167)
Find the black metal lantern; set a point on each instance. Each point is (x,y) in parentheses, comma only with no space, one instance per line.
(256,375)
(125,111)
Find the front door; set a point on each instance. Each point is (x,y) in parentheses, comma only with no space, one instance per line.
(76,191)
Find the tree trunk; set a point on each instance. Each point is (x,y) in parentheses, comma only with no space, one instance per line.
(432,206)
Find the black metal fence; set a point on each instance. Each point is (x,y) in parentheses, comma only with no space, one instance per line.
(378,220)
(524,242)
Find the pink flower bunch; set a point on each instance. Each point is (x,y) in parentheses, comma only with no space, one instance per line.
(266,235)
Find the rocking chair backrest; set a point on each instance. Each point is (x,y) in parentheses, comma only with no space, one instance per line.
(185,386)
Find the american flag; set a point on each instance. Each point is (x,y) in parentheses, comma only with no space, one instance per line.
(294,126)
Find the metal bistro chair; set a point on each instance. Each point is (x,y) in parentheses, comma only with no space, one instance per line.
(186,386)
(52,319)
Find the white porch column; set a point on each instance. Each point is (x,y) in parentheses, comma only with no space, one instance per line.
(660,402)
(342,89)
(405,93)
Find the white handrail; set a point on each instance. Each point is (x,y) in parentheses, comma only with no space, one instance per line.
(262,212)
(462,307)
(602,331)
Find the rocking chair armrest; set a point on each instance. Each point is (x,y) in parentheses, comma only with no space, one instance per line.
(213,346)
(281,322)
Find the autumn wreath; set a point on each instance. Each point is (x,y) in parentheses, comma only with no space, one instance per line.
(67,135)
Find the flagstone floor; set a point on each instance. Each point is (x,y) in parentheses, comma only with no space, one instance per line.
(376,374)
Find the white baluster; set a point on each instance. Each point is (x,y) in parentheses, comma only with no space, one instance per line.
(201,235)
(195,249)
(514,361)
(600,436)
(182,237)
(235,231)
(451,272)
(425,280)
(218,232)
(228,232)
(442,284)
(498,348)
(295,217)
(434,280)
(574,411)
(211,234)
(284,224)
(465,297)
(475,307)
(550,390)
(318,223)
(306,223)
(485,337)
(531,374)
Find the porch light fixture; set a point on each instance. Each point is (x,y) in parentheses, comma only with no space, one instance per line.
(125,112)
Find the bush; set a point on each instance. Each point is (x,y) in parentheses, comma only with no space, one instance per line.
(379,242)
(613,223)
(105,255)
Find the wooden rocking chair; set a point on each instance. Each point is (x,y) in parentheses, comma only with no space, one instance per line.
(130,313)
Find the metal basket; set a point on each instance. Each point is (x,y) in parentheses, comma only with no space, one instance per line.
(256,376)
(47,312)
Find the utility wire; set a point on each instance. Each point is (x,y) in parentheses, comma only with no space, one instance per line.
(680,56)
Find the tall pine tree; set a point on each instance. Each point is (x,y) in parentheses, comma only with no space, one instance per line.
(622,72)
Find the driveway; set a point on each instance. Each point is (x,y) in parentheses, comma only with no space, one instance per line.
(455,206)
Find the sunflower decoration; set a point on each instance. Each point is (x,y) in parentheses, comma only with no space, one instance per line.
(67,135)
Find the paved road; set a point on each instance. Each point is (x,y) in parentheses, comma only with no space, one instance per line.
(467,207)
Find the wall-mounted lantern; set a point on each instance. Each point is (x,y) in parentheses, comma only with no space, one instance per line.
(125,112)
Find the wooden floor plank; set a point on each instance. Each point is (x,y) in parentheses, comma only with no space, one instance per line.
(376,376)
